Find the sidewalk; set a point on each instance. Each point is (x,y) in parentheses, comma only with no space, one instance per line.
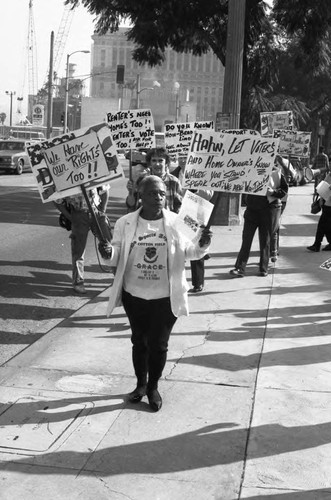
(246,391)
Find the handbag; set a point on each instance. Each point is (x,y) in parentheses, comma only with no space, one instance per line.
(316,205)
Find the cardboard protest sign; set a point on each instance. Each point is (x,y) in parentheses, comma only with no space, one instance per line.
(75,162)
(132,129)
(238,161)
(324,190)
(178,136)
(293,142)
(81,157)
(326,265)
(194,212)
(276,120)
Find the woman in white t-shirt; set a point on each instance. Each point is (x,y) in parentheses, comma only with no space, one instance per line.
(149,254)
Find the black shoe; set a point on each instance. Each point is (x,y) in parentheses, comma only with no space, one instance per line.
(154,400)
(237,273)
(327,248)
(313,248)
(137,395)
(263,273)
(197,289)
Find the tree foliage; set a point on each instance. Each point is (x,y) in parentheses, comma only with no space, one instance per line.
(288,34)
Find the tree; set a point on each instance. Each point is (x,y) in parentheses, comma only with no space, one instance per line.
(201,25)
(3,117)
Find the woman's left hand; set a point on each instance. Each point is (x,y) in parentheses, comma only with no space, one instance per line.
(205,237)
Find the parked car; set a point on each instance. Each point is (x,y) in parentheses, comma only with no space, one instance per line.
(13,158)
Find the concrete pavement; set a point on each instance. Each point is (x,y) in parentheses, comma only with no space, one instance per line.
(246,391)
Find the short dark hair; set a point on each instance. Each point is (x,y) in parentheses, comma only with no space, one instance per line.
(147,179)
(162,152)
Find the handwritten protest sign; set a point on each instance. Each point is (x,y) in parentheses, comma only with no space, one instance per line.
(178,136)
(194,212)
(76,162)
(293,142)
(82,157)
(276,120)
(326,265)
(132,129)
(232,161)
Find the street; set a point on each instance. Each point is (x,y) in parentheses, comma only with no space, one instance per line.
(35,264)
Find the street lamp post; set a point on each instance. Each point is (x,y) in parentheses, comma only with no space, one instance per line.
(66,97)
(11,94)
(139,90)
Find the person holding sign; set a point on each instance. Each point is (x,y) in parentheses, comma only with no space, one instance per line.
(158,161)
(324,223)
(197,266)
(262,213)
(76,210)
(149,254)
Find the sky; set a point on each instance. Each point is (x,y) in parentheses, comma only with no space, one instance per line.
(47,16)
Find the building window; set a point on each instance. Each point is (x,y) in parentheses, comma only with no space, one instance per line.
(114,62)
(171,61)
(200,68)
(208,62)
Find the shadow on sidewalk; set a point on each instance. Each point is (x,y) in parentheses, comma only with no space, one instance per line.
(324,493)
(209,446)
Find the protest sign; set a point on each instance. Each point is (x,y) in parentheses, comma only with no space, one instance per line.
(178,137)
(194,212)
(324,190)
(276,120)
(132,128)
(326,265)
(63,164)
(238,161)
(293,142)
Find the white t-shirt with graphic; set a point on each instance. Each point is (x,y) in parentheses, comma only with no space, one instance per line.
(146,272)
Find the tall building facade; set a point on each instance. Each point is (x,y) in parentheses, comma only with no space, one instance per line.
(183,88)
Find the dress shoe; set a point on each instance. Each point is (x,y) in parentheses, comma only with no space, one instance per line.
(79,288)
(263,273)
(313,248)
(197,289)
(154,400)
(137,395)
(237,273)
(327,248)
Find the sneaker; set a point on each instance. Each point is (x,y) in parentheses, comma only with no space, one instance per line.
(79,288)
(237,273)
(263,273)
(197,289)
(313,248)
(327,248)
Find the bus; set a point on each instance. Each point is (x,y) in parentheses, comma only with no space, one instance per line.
(29,132)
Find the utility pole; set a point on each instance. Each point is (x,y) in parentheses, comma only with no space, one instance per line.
(227,209)
(50,90)
(11,94)
(138,91)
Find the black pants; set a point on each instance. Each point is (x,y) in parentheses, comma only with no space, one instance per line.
(198,272)
(151,323)
(267,222)
(323,226)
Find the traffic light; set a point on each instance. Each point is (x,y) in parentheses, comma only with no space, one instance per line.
(62,118)
(120,74)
